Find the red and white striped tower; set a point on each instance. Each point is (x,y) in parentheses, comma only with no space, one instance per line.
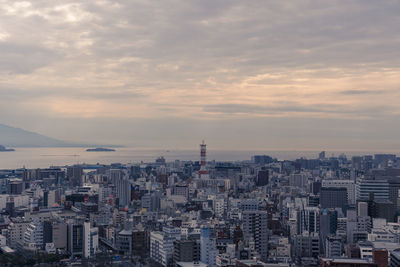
(203,151)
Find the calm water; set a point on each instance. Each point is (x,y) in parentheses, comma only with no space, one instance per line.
(45,157)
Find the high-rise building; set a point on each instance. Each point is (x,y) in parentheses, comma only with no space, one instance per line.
(394,190)
(332,197)
(262,178)
(362,208)
(33,237)
(333,246)
(74,175)
(123,192)
(59,235)
(394,259)
(16,232)
(75,238)
(124,242)
(297,180)
(90,240)
(208,250)
(307,245)
(348,184)
(378,188)
(308,220)
(328,225)
(186,251)
(162,245)
(15,187)
(255,227)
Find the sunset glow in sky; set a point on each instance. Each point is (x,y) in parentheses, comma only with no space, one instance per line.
(240,74)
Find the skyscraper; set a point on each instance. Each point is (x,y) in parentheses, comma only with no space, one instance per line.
(208,251)
(332,197)
(255,227)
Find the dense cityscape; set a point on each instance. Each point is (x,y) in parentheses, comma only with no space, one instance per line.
(326,211)
(203,133)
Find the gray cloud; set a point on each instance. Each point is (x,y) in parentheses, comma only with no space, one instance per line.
(363,92)
(295,108)
(24,58)
(187,59)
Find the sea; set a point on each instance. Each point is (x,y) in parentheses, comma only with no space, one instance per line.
(55,156)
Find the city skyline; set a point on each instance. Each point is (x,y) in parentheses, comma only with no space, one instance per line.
(259,75)
(154,133)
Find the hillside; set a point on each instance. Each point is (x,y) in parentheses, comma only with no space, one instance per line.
(16,137)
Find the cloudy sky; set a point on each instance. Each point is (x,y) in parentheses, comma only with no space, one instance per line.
(240,74)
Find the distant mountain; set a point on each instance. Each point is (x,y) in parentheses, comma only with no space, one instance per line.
(4,149)
(16,137)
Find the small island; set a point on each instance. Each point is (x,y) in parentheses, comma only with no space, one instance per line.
(4,149)
(100,149)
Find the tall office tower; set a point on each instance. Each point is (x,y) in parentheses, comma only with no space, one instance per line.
(308,220)
(114,175)
(333,246)
(382,209)
(90,240)
(262,177)
(315,187)
(328,225)
(394,190)
(348,184)
(47,232)
(378,188)
(332,197)
(255,227)
(208,250)
(122,186)
(321,155)
(75,238)
(203,173)
(123,191)
(74,175)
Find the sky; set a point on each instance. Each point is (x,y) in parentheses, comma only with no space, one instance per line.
(240,74)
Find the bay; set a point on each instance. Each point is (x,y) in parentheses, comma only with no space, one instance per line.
(56,156)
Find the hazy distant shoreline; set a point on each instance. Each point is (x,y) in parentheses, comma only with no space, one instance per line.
(44,157)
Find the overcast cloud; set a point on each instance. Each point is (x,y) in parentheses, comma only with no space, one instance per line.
(240,74)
